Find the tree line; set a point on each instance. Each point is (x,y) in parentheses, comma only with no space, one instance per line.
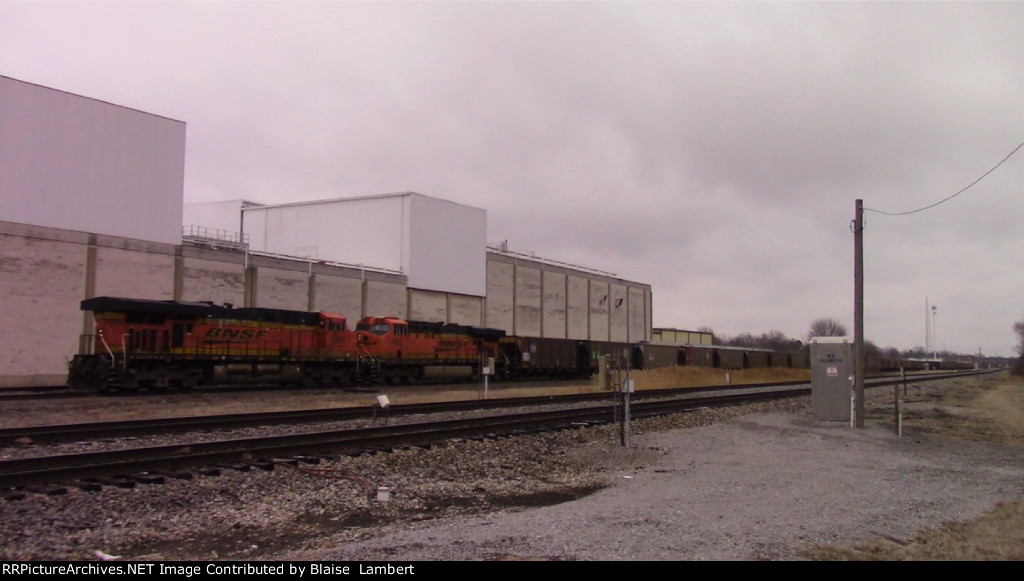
(827,327)
(1018,328)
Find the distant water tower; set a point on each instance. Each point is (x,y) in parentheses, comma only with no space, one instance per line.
(929,329)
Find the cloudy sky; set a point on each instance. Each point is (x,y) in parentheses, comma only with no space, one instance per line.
(713,150)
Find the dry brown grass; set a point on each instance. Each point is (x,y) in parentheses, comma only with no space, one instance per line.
(997,536)
(649,379)
(670,377)
(663,378)
(981,411)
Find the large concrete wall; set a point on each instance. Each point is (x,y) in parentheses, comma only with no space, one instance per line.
(42,275)
(134,269)
(382,297)
(466,310)
(553,312)
(222,277)
(500,295)
(528,303)
(600,298)
(577,309)
(534,298)
(428,306)
(445,307)
(213,276)
(280,288)
(637,319)
(46,272)
(340,294)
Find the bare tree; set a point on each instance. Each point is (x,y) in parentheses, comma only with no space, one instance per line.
(826,328)
(917,352)
(775,340)
(872,356)
(1018,328)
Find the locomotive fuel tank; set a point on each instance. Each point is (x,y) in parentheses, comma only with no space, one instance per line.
(448,372)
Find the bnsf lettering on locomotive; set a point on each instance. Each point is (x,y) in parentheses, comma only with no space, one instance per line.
(244,334)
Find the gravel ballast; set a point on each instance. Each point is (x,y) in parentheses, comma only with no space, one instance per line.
(757,482)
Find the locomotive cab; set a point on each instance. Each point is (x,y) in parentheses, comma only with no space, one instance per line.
(380,335)
(334,338)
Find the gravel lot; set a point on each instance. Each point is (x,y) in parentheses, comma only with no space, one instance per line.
(758,482)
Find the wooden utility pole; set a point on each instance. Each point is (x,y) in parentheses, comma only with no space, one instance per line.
(858,313)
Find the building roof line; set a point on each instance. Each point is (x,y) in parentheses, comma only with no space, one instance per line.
(93,99)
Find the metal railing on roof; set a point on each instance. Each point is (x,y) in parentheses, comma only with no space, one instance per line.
(229,240)
(215,237)
(503,249)
(311,261)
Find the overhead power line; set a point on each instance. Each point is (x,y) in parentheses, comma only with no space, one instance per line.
(1015,150)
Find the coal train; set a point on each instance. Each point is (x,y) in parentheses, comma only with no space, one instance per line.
(910,364)
(141,344)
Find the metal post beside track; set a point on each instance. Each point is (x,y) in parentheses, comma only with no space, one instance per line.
(626,389)
(899,402)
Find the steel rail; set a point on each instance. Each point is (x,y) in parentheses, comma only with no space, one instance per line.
(150,460)
(98,430)
(264,451)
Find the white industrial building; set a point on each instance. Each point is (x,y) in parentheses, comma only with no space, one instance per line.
(76,163)
(91,204)
(439,245)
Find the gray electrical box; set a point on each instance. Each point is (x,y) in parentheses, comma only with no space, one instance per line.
(831,378)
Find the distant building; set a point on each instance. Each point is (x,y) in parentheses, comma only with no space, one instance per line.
(681,337)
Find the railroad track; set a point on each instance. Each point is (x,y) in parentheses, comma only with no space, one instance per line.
(65,392)
(154,426)
(148,427)
(90,470)
(155,463)
(36,393)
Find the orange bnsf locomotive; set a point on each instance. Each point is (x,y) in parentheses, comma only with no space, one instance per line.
(149,344)
(397,350)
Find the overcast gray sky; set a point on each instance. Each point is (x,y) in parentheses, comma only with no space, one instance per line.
(713,150)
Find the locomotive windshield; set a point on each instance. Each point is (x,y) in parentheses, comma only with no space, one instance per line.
(376,329)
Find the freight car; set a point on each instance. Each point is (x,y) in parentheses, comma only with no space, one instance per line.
(891,364)
(523,357)
(654,355)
